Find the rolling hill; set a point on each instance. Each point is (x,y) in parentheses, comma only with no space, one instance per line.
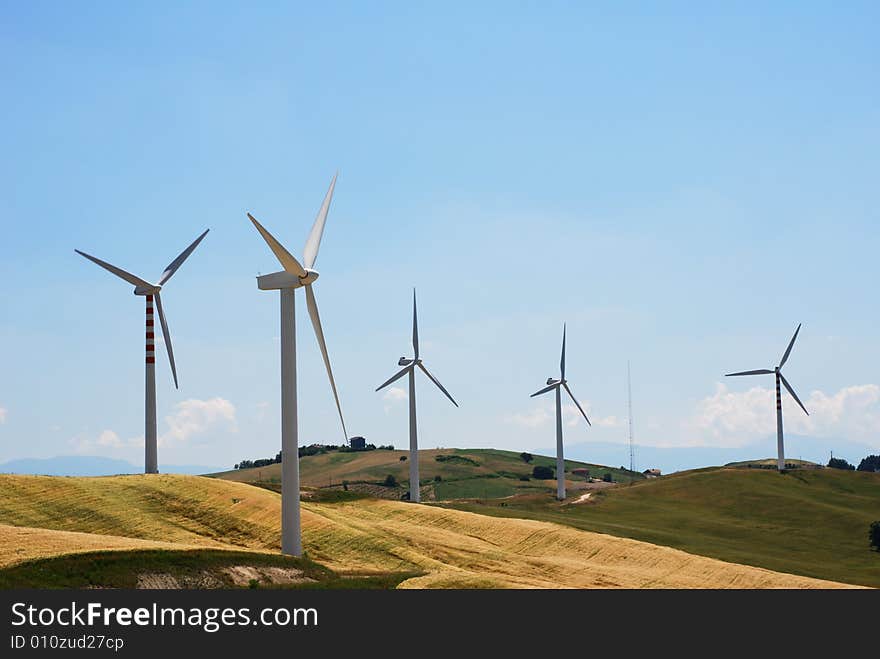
(433,546)
(812,522)
(463,473)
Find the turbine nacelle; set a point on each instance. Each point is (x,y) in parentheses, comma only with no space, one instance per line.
(283,279)
(403,361)
(147,290)
(553,381)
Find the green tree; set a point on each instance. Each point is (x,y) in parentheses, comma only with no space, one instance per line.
(526,457)
(542,473)
(390,481)
(874,535)
(870,463)
(840,463)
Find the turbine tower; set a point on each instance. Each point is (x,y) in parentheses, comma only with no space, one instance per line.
(553,384)
(149,291)
(295,276)
(780,449)
(409,367)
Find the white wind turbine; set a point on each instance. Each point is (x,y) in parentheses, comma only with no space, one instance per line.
(557,385)
(286,282)
(148,290)
(780,449)
(409,367)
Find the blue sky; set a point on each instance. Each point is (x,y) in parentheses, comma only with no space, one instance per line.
(682,184)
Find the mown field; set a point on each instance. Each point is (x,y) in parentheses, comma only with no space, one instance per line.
(811,522)
(463,473)
(430,546)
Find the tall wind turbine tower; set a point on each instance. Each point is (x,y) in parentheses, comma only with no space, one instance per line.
(409,368)
(150,291)
(294,276)
(553,384)
(777,372)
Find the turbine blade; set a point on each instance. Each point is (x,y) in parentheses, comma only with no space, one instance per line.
(437,382)
(574,400)
(788,349)
(549,387)
(395,377)
(286,259)
(415,327)
(310,251)
(119,272)
(760,371)
(167,336)
(319,334)
(176,263)
(793,395)
(562,359)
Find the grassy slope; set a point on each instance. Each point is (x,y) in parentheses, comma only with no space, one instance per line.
(809,522)
(495,474)
(120,569)
(451,548)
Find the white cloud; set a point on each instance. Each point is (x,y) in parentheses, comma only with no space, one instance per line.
(191,418)
(3,413)
(194,417)
(262,410)
(534,418)
(545,415)
(106,439)
(728,418)
(394,394)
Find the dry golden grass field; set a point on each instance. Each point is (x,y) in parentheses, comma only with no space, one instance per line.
(450,548)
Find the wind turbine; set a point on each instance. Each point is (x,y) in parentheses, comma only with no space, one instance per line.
(286,282)
(409,367)
(780,449)
(148,290)
(559,384)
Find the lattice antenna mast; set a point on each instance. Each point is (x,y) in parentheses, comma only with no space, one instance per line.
(632,461)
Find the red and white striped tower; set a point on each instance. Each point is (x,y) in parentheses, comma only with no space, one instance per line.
(151,465)
(780,450)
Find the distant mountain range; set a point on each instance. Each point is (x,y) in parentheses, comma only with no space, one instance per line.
(679,458)
(90,465)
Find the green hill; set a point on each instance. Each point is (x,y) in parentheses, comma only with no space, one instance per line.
(771,463)
(463,473)
(191,532)
(812,522)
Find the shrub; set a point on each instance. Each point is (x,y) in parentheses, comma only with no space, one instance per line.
(525,477)
(874,535)
(607,478)
(438,478)
(542,473)
(390,481)
(345,485)
(403,458)
(839,463)
(526,457)
(461,459)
